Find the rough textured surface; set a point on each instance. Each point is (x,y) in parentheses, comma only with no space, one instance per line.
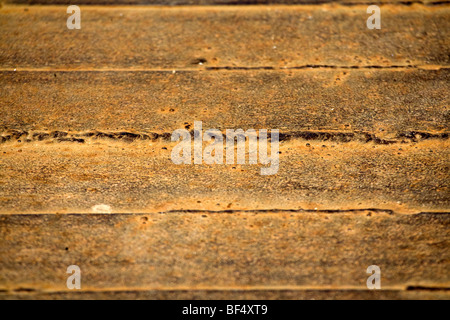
(389,104)
(222,2)
(71,177)
(86,176)
(242,251)
(179,38)
(266,294)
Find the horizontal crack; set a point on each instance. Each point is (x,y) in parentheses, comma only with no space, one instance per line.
(334,136)
(262,211)
(228,68)
(365,137)
(369,211)
(366,211)
(316,66)
(256,288)
(423,288)
(320,2)
(176,3)
(26,290)
(80,137)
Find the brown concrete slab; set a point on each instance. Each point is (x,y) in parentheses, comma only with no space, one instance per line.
(221,2)
(72,177)
(332,294)
(390,104)
(352,139)
(272,253)
(85,125)
(249,37)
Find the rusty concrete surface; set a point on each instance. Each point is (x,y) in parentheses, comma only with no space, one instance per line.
(234,37)
(242,251)
(411,293)
(72,177)
(86,176)
(224,2)
(389,104)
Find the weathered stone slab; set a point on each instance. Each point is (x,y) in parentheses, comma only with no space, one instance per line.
(289,252)
(148,38)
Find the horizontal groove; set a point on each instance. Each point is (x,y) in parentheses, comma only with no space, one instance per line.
(426,288)
(250,211)
(300,211)
(343,3)
(240,3)
(365,137)
(223,289)
(230,68)
(326,66)
(15,135)
(262,211)
(329,211)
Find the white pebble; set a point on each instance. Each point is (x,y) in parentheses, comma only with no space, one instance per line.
(101,208)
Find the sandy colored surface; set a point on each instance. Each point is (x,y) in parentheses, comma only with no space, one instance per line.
(221,2)
(152,38)
(285,251)
(389,104)
(86,176)
(54,177)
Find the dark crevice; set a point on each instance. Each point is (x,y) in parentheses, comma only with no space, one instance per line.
(262,211)
(334,136)
(423,288)
(419,135)
(319,66)
(312,66)
(367,212)
(239,68)
(235,290)
(348,3)
(24,290)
